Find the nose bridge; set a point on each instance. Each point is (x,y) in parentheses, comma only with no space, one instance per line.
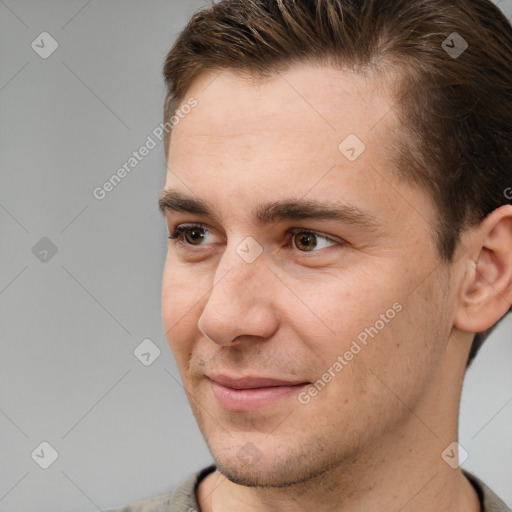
(238,263)
(239,302)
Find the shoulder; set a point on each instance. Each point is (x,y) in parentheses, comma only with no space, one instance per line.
(181,499)
(491,502)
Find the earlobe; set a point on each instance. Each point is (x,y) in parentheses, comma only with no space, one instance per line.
(486,291)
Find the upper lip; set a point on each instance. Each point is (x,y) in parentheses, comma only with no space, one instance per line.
(250,382)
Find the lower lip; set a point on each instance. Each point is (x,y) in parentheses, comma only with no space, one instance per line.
(245,400)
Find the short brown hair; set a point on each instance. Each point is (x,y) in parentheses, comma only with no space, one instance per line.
(455,138)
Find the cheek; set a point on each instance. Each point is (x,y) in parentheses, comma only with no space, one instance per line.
(369,320)
(181,303)
(335,309)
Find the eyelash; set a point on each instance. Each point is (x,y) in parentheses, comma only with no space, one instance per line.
(181,229)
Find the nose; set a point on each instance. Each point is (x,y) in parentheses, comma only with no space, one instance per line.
(240,303)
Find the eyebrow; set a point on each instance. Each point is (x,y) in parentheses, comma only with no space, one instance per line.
(273,211)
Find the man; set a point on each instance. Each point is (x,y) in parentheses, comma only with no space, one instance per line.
(338,203)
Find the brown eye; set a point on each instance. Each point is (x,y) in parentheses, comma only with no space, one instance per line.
(311,241)
(305,241)
(193,235)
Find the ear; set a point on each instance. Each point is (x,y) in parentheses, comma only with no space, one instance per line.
(486,289)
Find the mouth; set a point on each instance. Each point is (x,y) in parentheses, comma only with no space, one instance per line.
(247,394)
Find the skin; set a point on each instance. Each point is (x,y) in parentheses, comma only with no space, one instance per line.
(374,435)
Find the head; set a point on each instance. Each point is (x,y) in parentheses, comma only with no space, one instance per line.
(349,168)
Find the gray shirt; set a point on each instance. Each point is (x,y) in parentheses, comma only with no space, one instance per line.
(183,498)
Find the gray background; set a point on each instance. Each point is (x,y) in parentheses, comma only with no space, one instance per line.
(69,325)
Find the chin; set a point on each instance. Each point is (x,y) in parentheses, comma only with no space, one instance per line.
(270,466)
(255,475)
(275,477)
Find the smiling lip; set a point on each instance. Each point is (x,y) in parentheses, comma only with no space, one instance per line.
(249,393)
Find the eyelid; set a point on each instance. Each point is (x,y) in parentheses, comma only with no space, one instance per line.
(176,231)
(319,234)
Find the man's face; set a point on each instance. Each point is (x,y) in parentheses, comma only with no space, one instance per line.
(357,301)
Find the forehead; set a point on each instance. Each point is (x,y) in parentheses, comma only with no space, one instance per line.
(306,115)
(310,131)
(306,102)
